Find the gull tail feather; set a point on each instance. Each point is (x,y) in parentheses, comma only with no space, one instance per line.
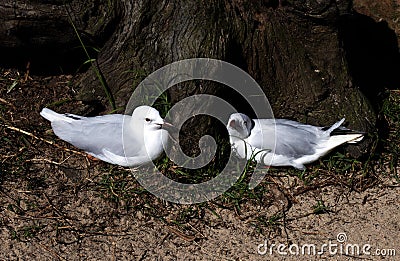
(337,140)
(334,127)
(340,135)
(341,131)
(54,116)
(343,134)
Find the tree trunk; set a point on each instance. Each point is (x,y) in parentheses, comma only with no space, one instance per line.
(295,50)
(42,32)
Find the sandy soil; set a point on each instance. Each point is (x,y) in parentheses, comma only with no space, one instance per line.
(59,205)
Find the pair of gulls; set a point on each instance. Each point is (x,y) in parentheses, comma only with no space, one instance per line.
(272,142)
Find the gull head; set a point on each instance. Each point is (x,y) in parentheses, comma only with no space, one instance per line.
(149,118)
(239,125)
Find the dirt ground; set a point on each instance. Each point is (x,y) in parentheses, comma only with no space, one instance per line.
(59,205)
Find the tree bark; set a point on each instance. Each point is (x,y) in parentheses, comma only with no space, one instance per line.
(295,50)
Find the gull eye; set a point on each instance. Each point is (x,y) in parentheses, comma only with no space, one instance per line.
(148,119)
(245,123)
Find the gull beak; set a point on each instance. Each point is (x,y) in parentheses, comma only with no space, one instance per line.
(158,123)
(171,130)
(168,126)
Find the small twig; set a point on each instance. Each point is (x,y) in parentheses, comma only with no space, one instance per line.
(51,251)
(65,227)
(44,140)
(12,199)
(305,189)
(30,217)
(6,157)
(28,67)
(181,234)
(58,212)
(49,161)
(24,191)
(198,231)
(112,192)
(7,103)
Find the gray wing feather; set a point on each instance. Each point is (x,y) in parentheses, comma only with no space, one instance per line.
(95,134)
(293,139)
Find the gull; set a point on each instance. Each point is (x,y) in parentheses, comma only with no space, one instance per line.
(115,138)
(281,142)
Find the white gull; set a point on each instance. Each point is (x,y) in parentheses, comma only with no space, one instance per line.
(115,138)
(281,142)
